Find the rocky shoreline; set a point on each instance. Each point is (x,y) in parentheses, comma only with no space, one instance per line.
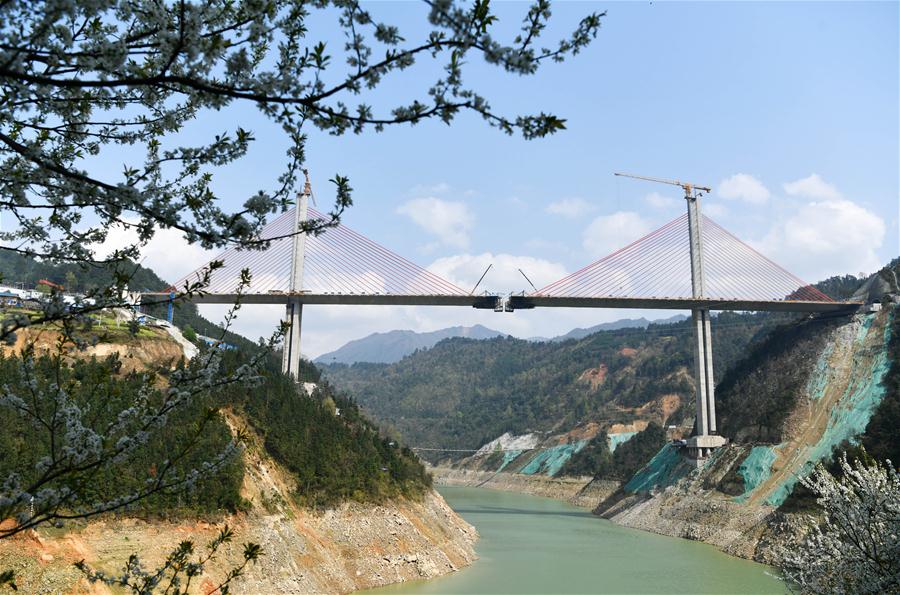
(352,547)
(690,509)
(579,491)
(347,548)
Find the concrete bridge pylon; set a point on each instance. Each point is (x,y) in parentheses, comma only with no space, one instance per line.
(706,438)
(290,359)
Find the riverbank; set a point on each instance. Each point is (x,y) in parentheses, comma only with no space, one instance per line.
(345,549)
(693,508)
(339,550)
(583,492)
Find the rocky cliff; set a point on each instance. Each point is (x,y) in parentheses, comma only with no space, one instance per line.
(580,491)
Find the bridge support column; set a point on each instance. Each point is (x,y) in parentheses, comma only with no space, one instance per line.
(290,363)
(290,358)
(705,440)
(701,378)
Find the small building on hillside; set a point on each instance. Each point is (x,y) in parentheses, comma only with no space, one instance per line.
(8,298)
(216,343)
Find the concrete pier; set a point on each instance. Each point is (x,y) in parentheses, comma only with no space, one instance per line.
(705,440)
(290,361)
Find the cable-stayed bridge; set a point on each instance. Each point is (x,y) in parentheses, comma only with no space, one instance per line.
(339,266)
(655,272)
(690,263)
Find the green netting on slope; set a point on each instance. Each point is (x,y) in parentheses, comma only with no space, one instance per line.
(664,469)
(619,438)
(864,327)
(551,460)
(508,457)
(851,415)
(756,469)
(818,380)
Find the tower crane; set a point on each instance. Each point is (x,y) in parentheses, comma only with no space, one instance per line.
(706,438)
(691,190)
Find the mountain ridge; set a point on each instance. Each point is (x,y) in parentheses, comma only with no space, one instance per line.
(615,325)
(392,346)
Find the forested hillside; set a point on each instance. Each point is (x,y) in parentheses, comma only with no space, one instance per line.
(323,439)
(462,393)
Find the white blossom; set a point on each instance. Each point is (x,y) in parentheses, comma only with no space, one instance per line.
(855,547)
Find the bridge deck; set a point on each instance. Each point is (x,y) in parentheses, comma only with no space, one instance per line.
(520,302)
(347,299)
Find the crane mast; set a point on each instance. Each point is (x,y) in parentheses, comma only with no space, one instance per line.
(290,360)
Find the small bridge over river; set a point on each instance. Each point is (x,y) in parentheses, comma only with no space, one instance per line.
(690,263)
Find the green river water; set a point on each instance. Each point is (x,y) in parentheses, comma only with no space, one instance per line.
(538,545)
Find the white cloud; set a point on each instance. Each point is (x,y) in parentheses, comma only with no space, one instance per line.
(744,187)
(450,221)
(464,270)
(825,238)
(715,210)
(659,201)
(570,207)
(608,233)
(167,253)
(812,186)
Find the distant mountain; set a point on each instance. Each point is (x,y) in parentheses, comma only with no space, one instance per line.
(581,333)
(390,347)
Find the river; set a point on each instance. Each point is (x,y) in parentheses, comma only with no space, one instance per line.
(538,545)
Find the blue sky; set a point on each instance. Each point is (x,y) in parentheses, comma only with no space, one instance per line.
(788,110)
